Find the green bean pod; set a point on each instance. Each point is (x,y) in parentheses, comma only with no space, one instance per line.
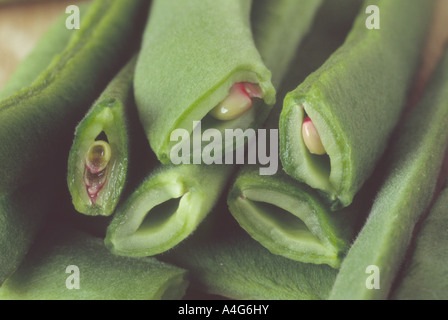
(412,165)
(172,201)
(289,218)
(28,193)
(22,214)
(279,27)
(23,211)
(61,261)
(354,100)
(165,209)
(424,275)
(97,184)
(223,260)
(192,54)
(282,214)
(39,120)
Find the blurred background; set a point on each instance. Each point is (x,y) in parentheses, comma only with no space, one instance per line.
(21,25)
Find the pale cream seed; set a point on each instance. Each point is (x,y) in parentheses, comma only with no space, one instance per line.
(311,138)
(238,102)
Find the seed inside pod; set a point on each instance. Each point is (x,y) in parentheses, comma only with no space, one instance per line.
(96,162)
(311,138)
(237,102)
(98,156)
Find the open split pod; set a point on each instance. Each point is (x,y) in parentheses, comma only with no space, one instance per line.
(109,149)
(335,125)
(192,54)
(223,260)
(202,55)
(291,219)
(41,117)
(284,215)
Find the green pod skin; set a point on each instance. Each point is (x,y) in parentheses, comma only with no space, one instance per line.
(45,273)
(291,219)
(22,214)
(169,205)
(165,209)
(411,167)
(279,42)
(355,100)
(192,54)
(425,273)
(286,216)
(107,120)
(23,211)
(223,260)
(40,119)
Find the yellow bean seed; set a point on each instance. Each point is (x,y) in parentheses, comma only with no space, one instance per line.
(237,102)
(312,138)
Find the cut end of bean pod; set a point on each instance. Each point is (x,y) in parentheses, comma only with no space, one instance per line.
(238,102)
(95,176)
(311,138)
